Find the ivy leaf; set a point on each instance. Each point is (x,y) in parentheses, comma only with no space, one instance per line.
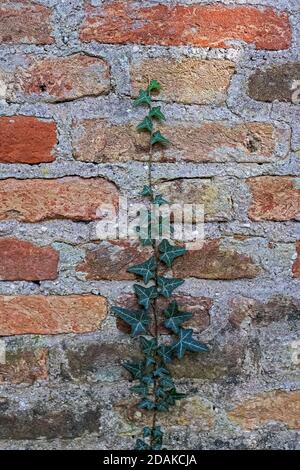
(160,392)
(154,85)
(140,390)
(137,319)
(145,125)
(158,138)
(143,98)
(146,242)
(147,432)
(156,113)
(147,191)
(187,343)
(159,200)
(165,352)
(176,395)
(135,368)
(146,404)
(170,252)
(145,294)
(141,445)
(168,285)
(175,317)
(146,269)
(162,406)
(166,383)
(161,372)
(147,379)
(149,346)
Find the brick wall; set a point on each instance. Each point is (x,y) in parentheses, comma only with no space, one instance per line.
(68,73)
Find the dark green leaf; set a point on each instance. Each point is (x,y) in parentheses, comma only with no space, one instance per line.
(147,191)
(170,252)
(159,200)
(137,319)
(145,125)
(162,406)
(146,404)
(135,368)
(160,393)
(157,432)
(140,390)
(175,318)
(156,113)
(187,343)
(149,346)
(147,241)
(146,269)
(143,98)
(166,383)
(145,294)
(158,138)
(141,445)
(147,432)
(154,85)
(161,372)
(168,285)
(147,379)
(176,395)
(165,352)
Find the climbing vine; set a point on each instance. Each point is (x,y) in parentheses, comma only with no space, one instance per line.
(154,383)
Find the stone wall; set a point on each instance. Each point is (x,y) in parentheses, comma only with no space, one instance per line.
(68,73)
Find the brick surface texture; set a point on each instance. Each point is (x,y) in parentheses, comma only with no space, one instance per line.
(230,75)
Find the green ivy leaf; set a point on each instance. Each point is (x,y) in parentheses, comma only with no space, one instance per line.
(145,294)
(147,191)
(162,406)
(143,98)
(161,372)
(141,445)
(154,85)
(158,138)
(170,252)
(187,343)
(156,113)
(166,383)
(160,393)
(159,200)
(147,432)
(147,241)
(175,318)
(146,269)
(135,369)
(149,346)
(145,125)
(147,379)
(176,395)
(140,390)
(165,352)
(168,285)
(137,319)
(146,404)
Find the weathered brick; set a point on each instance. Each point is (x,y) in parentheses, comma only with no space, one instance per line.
(188,80)
(274,198)
(244,310)
(275,83)
(199,25)
(25,23)
(215,261)
(110,260)
(213,193)
(38,314)
(97,140)
(24,261)
(26,139)
(296,265)
(65,198)
(198,306)
(277,405)
(24,366)
(60,79)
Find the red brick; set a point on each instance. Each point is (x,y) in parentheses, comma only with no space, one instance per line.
(25,139)
(49,315)
(119,22)
(23,261)
(274,198)
(110,260)
(214,261)
(65,198)
(25,366)
(296,265)
(25,23)
(61,79)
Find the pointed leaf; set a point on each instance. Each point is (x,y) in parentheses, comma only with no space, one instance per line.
(146,269)
(140,390)
(154,85)
(159,200)
(149,346)
(175,317)
(143,98)
(146,404)
(165,353)
(158,138)
(141,445)
(156,113)
(145,294)
(170,252)
(187,343)
(135,368)
(168,285)
(147,191)
(145,125)
(137,319)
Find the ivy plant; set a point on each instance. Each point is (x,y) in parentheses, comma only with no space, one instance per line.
(154,384)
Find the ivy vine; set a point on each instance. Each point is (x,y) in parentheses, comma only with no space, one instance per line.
(154,383)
